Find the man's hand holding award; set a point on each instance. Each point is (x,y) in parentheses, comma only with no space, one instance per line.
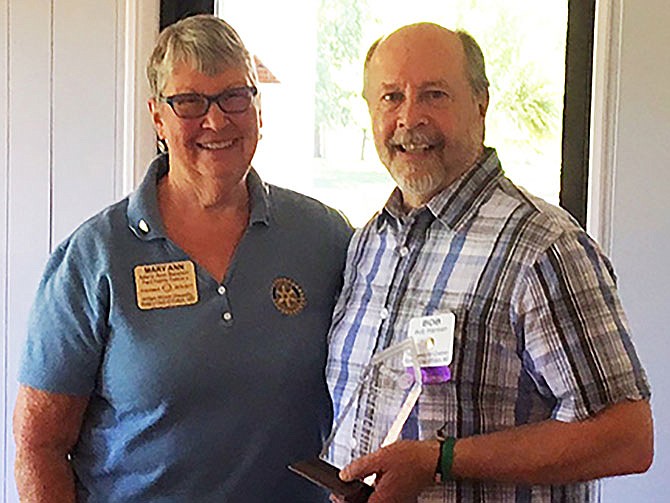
(372,418)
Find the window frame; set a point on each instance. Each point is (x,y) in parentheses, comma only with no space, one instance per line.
(173,10)
(576,133)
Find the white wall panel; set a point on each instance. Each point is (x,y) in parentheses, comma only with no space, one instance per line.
(641,221)
(68,73)
(29,175)
(84,110)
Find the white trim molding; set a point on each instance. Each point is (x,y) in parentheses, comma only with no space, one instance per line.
(138,29)
(604,120)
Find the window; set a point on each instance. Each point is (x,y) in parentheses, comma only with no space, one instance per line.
(316,136)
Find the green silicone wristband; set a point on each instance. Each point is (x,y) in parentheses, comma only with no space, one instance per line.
(447,458)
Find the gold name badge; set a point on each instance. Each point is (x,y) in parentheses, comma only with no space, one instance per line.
(171,284)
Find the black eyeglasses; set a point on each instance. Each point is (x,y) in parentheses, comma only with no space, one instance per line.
(194,105)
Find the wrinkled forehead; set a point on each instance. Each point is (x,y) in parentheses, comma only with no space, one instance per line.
(417,54)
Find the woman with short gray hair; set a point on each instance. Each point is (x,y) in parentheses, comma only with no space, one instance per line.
(177,343)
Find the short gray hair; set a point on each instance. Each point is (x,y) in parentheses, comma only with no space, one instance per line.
(366,65)
(204,41)
(474,63)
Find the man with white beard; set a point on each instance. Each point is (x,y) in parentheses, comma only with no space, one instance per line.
(544,393)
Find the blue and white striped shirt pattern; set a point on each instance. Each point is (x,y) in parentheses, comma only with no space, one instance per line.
(540,332)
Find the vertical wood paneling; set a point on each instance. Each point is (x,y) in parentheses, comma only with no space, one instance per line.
(4,198)
(62,113)
(84,111)
(29,174)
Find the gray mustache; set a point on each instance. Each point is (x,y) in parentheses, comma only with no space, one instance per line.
(416,137)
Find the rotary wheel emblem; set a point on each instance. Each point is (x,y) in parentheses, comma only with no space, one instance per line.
(287,296)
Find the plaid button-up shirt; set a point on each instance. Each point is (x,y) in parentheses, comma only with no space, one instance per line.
(540,332)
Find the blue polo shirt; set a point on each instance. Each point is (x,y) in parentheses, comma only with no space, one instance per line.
(204,397)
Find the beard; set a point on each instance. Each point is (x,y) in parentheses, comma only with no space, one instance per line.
(418,180)
(437,164)
(421,178)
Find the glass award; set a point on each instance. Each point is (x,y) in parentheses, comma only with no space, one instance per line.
(372,417)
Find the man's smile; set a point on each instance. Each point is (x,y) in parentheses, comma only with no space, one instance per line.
(218,145)
(411,148)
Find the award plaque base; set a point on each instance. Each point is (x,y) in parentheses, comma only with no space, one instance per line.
(325,475)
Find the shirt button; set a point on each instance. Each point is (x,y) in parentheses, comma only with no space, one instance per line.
(227,316)
(384,313)
(403,251)
(221,290)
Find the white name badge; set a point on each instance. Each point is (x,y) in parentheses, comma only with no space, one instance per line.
(434,337)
